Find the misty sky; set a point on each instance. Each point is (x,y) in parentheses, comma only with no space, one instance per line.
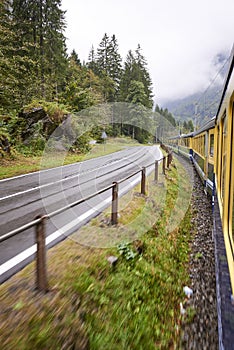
(179,38)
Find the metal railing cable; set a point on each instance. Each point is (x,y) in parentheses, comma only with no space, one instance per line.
(39,221)
(71,205)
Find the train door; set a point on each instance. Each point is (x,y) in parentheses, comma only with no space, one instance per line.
(211,155)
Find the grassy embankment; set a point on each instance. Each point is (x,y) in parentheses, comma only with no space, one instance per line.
(22,164)
(92,305)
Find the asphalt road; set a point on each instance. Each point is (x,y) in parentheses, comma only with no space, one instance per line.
(24,197)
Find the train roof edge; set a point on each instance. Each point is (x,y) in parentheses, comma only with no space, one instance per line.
(227,79)
(208,125)
(211,123)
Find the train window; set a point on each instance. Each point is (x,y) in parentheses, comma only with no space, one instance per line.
(211,150)
(202,145)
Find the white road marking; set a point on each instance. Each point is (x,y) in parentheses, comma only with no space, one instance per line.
(62,231)
(55,182)
(8,265)
(46,170)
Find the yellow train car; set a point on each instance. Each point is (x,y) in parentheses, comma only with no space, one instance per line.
(202,153)
(211,149)
(224,165)
(181,144)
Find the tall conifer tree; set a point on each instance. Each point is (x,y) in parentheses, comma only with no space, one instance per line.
(16,64)
(108,63)
(115,62)
(41,23)
(103,54)
(135,69)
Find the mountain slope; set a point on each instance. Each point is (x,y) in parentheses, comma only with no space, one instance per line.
(201,105)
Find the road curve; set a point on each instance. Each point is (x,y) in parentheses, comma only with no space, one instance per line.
(24,197)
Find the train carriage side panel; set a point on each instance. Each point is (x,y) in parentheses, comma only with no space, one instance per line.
(228,188)
(224,171)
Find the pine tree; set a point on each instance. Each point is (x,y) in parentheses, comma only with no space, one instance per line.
(144,76)
(108,65)
(166,114)
(84,88)
(75,58)
(52,47)
(7,38)
(103,54)
(136,93)
(17,67)
(140,122)
(92,64)
(114,62)
(135,68)
(41,23)
(190,125)
(127,76)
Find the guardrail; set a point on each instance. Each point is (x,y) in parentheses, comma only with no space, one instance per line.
(39,221)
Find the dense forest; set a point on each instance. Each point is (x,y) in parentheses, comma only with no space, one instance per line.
(41,84)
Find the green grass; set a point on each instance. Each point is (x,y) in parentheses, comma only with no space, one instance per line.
(22,164)
(134,305)
(137,214)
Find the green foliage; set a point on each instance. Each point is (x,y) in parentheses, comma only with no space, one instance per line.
(33,59)
(82,143)
(108,63)
(135,69)
(140,297)
(83,88)
(165,113)
(35,72)
(19,305)
(17,67)
(126,252)
(74,57)
(4,142)
(132,306)
(28,135)
(136,93)
(96,132)
(190,126)
(140,116)
(56,111)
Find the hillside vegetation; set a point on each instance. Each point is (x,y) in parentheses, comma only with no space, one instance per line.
(41,84)
(92,304)
(200,105)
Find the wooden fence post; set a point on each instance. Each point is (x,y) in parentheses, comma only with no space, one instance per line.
(164,165)
(143,181)
(168,161)
(114,212)
(41,282)
(156,171)
(170,157)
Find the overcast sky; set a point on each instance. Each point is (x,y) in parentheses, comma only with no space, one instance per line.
(179,38)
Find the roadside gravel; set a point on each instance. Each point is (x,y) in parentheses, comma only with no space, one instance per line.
(200,325)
